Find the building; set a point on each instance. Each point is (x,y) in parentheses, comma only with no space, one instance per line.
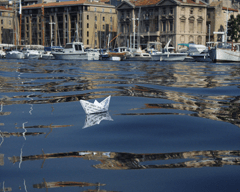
(182,21)
(217,17)
(7,24)
(58,23)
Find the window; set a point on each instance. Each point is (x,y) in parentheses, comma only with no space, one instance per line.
(87,33)
(164,11)
(191,26)
(95,34)
(95,26)
(103,10)
(95,18)
(39,26)
(171,10)
(170,25)
(110,10)
(1,21)
(87,25)
(110,19)
(87,41)
(95,9)
(87,17)
(191,11)
(103,18)
(10,22)
(103,27)
(164,26)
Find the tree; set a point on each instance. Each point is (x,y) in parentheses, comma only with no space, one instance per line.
(234,27)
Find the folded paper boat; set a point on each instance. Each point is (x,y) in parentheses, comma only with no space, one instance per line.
(96,107)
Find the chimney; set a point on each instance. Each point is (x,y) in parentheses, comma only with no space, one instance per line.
(197,1)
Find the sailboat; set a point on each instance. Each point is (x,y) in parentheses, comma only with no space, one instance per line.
(16,54)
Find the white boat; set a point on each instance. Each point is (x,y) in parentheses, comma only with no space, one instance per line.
(32,54)
(96,107)
(2,54)
(94,119)
(168,54)
(138,55)
(75,51)
(15,54)
(225,52)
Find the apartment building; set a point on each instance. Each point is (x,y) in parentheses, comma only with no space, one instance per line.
(58,23)
(6,25)
(182,21)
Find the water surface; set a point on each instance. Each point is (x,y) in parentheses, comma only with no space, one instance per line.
(171,126)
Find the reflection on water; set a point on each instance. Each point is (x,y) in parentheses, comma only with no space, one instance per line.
(148,99)
(49,185)
(96,118)
(115,160)
(220,107)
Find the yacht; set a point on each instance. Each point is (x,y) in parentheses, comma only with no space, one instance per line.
(168,54)
(15,54)
(75,51)
(31,54)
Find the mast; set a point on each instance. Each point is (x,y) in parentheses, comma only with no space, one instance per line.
(138,37)
(42,19)
(20,25)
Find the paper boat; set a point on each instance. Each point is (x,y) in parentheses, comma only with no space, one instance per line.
(93,119)
(95,107)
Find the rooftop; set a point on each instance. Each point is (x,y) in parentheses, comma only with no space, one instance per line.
(63,3)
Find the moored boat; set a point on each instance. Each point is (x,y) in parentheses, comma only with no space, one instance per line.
(75,51)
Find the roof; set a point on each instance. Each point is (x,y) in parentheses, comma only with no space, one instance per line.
(63,3)
(144,2)
(192,2)
(4,8)
(229,9)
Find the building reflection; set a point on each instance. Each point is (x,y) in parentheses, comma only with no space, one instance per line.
(118,161)
(220,108)
(178,75)
(49,185)
(20,134)
(1,159)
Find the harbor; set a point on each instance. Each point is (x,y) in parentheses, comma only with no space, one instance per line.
(168,125)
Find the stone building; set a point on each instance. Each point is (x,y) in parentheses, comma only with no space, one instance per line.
(58,23)
(217,19)
(182,21)
(6,25)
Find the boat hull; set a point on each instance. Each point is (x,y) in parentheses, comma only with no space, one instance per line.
(76,56)
(224,55)
(169,57)
(201,57)
(15,56)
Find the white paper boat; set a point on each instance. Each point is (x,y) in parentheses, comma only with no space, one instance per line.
(95,107)
(93,119)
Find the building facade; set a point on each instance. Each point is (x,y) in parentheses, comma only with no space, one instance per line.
(182,21)
(59,23)
(217,16)
(6,25)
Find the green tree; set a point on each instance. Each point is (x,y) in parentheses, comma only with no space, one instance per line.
(234,27)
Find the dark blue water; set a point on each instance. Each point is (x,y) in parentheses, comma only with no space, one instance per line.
(172,127)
